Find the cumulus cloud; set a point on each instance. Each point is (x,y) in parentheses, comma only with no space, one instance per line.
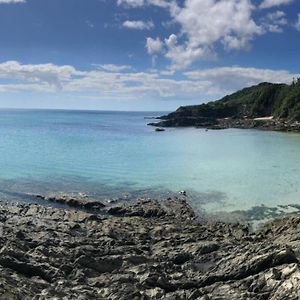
(204,23)
(114,68)
(138,25)
(277,15)
(182,55)
(167,72)
(208,21)
(272,3)
(201,85)
(233,78)
(274,22)
(11,1)
(154,46)
(47,74)
(160,3)
(133,3)
(140,3)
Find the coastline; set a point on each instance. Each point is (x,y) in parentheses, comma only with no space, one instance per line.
(142,250)
(262,106)
(226,123)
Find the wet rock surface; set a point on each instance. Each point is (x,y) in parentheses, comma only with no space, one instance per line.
(73,201)
(145,250)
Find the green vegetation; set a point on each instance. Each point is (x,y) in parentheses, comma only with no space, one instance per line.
(266,99)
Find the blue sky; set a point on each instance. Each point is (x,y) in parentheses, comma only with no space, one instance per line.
(142,54)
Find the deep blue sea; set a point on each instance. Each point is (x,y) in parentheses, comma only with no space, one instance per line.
(115,154)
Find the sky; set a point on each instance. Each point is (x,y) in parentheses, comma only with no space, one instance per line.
(142,55)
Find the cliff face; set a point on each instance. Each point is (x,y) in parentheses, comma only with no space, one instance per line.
(266,99)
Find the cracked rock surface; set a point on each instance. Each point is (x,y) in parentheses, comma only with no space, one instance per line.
(146,250)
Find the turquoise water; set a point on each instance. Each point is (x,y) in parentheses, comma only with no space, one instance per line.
(111,154)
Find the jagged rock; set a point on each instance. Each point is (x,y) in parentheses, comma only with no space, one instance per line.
(146,209)
(144,250)
(101,265)
(77,202)
(181,258)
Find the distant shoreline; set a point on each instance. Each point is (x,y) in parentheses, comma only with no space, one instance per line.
(264,106)
(264,123)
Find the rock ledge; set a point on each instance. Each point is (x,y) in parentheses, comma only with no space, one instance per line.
(146,250)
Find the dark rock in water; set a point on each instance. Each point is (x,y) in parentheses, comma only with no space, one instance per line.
(83,203)
(186,121)
(217,127)
(159,129)
(144,250)
(149,118)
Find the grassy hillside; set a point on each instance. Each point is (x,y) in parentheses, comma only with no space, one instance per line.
(266,99)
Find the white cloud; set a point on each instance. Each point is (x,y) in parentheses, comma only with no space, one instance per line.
(272,3)
(204,23)
(16,77)
(154,46)
(297,25)
(139,85)
(273,16)
(201,84)
(233,78)
(167,72)
(139,25)
(140,3)
(133,3)
(207,24)
(46,74)
(183,55)
(275,21)
(12,1)
(160,3)
(114,68)
(208,21)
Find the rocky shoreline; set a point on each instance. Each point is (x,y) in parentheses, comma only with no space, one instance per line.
(264,106)
(143,250)
(226,123)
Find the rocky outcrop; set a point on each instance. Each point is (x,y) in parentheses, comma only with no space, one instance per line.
(185,121)
(218,124)
(71,201)
(251,107)
(145,250)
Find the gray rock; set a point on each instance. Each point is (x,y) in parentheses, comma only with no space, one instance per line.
(144,250)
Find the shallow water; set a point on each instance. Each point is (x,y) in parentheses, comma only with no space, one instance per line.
(110,154)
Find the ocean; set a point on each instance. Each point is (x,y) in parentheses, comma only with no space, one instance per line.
(115,155)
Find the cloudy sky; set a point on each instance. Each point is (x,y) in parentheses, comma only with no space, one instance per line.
(142,54)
